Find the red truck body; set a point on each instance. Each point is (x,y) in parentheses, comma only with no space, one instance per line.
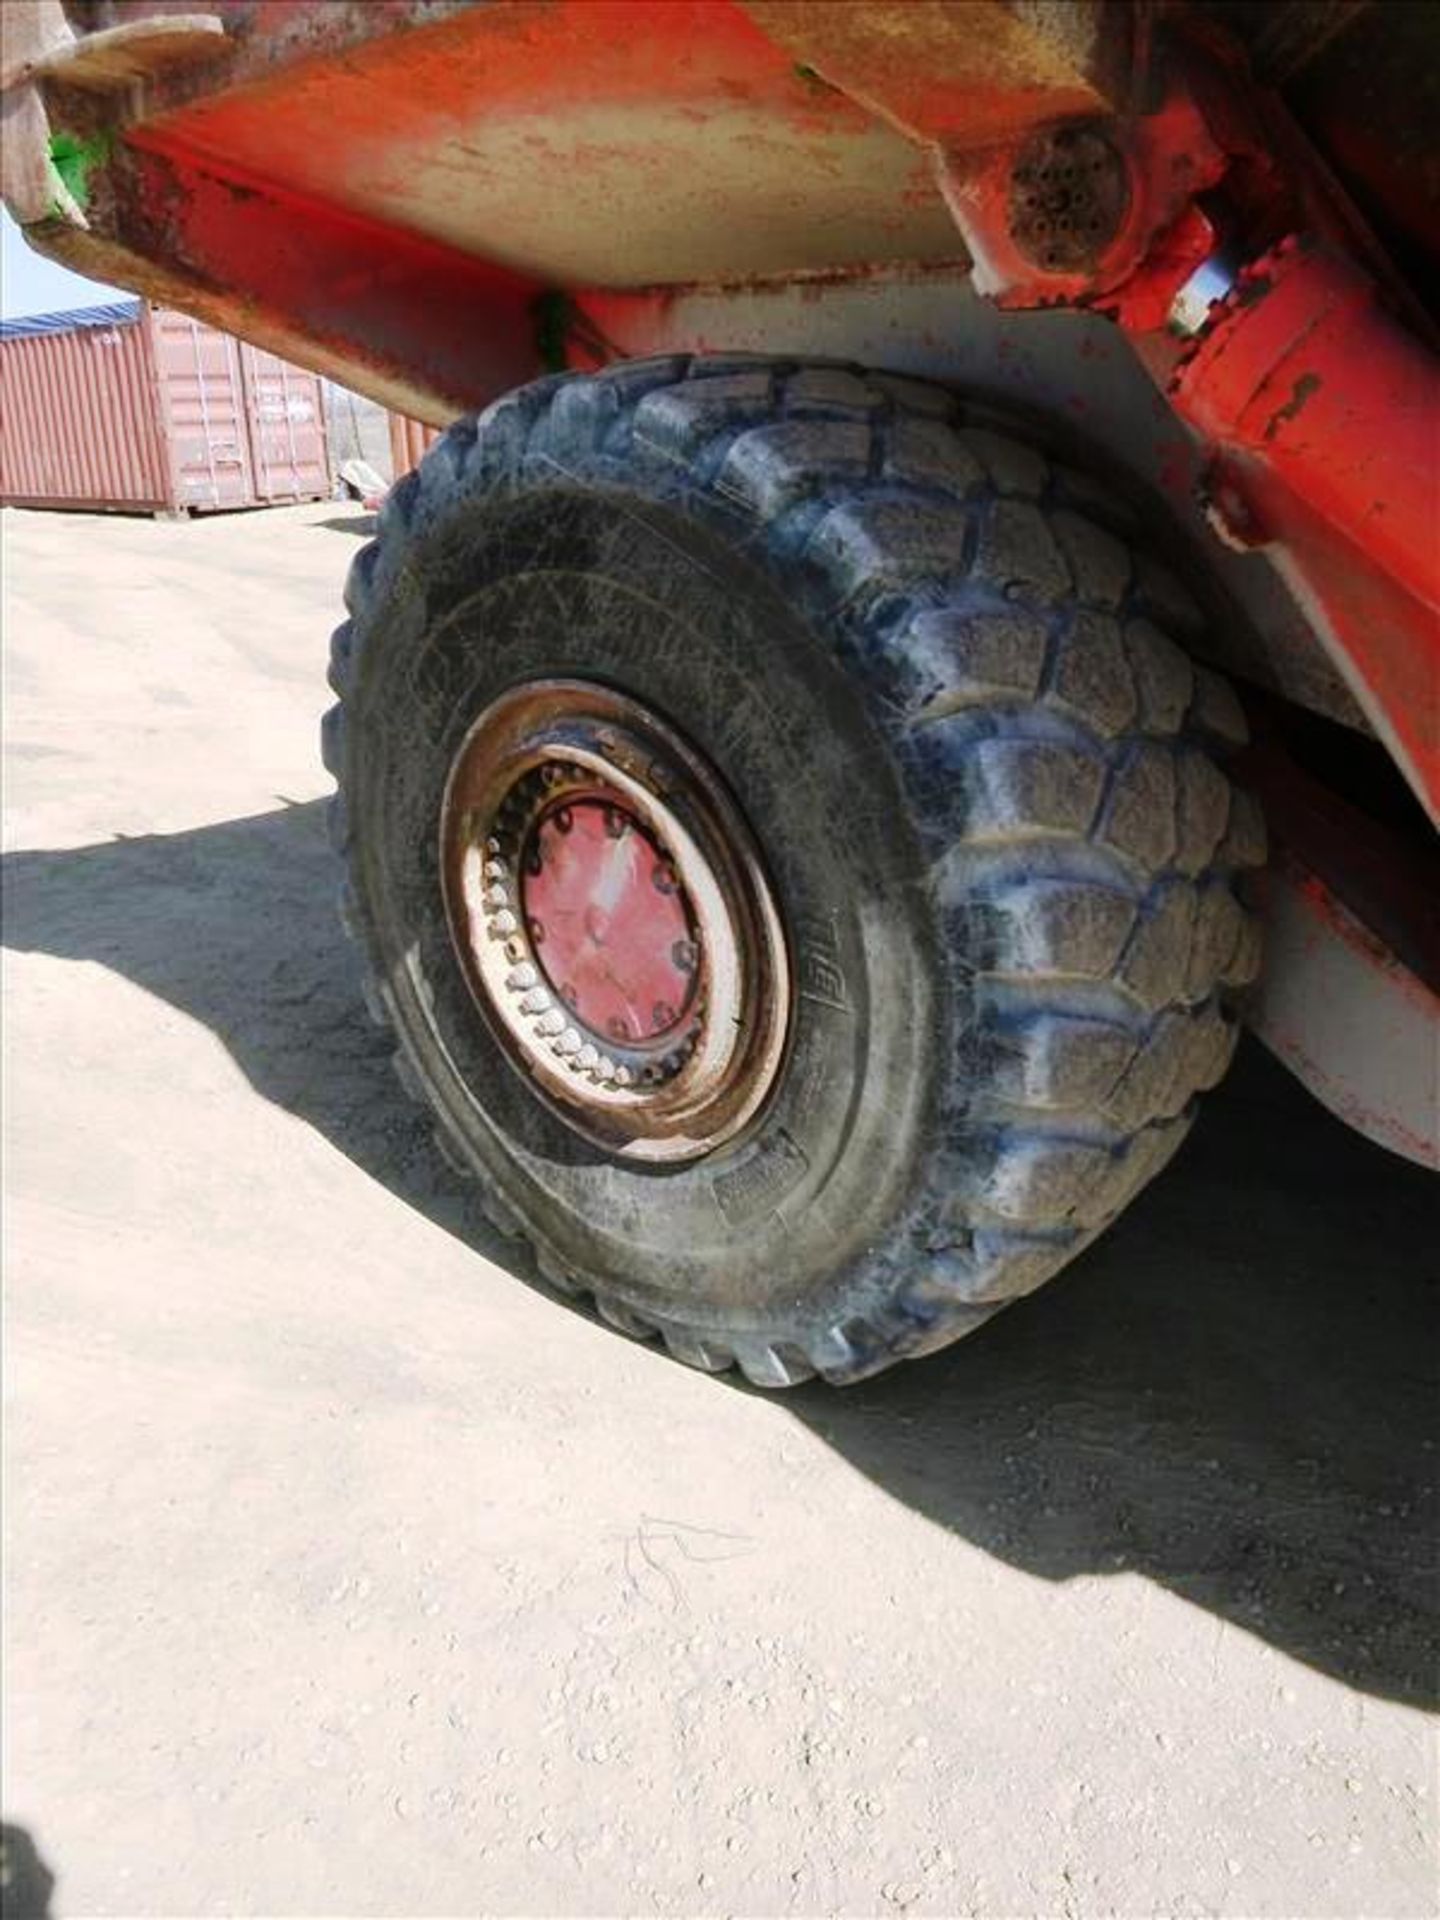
(1174,229)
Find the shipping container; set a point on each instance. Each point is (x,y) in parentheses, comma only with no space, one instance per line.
(410,441)
(134,408)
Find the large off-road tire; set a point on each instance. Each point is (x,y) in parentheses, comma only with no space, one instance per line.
(950,696)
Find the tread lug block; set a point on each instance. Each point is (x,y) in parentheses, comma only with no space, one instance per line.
(680,422)
(1220,921)
(1154,1084)
(446,463)
(631,380)
(332,741)
(398,507)
(1202,809)
(347,905)
(502,431)
(1062,927)
(922,452)
(1244,844)
(829,391)
(707,1355)
(624,1319)
(360,580)
(868,547)
(771,468)
(870,1353)
(949,660)
(916,396)
(1216,712)
(1243,966)
(1151,1149)
(337,824)
(1085,494)
(916,662)
(1139,817)
(1021,789)
(777,1365)
(376,1010)
(337,674)
(1013,467)
(936,1306)
(597,414)
(1156,962)
(1056,1063)
(720,366)
(500,1214)
(837,1357)
(1099,563)
(1162,677)
(1051,1183)
(1006,1266)
(583,414)
(1158,593)
(556,1275)
(1017,552)
(1210,1046)
(1090,679)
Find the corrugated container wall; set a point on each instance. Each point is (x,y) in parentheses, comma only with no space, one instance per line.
(410,441)
(134,408)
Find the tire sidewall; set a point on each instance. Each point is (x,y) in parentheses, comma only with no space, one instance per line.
(569,575)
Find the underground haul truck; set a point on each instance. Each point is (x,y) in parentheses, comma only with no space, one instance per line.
(922,618)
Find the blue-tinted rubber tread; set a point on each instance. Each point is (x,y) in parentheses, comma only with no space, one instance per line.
(1087,850)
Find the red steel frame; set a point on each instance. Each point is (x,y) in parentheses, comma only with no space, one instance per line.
(1319,407)
(332,179)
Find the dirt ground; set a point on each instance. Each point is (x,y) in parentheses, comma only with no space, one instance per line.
(350,1575)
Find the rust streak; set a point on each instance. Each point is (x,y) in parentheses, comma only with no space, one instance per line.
(1303,391)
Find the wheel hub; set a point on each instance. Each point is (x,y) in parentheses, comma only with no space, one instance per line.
(613,919)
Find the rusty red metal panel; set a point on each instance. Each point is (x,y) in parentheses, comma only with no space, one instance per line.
(80,426)
(410,440)
(203,408)
(1303,367)
(404,193)
(140,408)
(1350,995)
(285,416)
(1347,1016)
(1325,417)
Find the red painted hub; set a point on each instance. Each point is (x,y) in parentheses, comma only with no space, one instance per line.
(613,918)
(610,924)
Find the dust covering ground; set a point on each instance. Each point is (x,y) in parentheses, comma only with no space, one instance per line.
(348,1574)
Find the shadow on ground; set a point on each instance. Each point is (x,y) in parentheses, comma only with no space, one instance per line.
(362,525)
(26,1883)
(1233,1394)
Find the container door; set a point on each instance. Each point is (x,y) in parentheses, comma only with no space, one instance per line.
(287,428)
(204,403)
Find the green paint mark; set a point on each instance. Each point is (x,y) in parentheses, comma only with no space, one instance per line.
(75,160)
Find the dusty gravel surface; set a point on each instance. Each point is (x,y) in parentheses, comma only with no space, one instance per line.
(348,1574)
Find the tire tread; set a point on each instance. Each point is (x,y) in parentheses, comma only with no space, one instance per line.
(1059,744)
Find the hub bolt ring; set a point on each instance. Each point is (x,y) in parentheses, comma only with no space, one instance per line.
(612,917)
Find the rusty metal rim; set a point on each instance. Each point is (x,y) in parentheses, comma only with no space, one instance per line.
(688,1092)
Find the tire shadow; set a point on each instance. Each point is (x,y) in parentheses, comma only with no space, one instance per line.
(26,1883)
(361,524)
(1234,1393)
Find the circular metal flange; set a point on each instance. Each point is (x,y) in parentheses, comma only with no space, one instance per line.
(1069,194)
(612,916)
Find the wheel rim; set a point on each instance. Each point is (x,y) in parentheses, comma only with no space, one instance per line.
(612,916)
